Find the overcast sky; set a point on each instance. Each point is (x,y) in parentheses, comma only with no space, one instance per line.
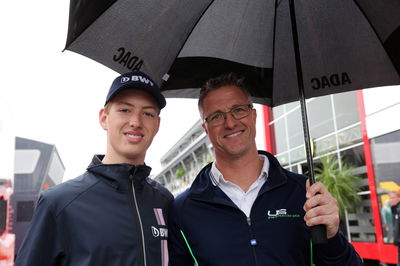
(55,96)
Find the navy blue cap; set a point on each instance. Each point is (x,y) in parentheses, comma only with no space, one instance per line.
(136,80)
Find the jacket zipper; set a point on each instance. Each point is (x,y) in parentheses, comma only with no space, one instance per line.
(253,240)
(139,225)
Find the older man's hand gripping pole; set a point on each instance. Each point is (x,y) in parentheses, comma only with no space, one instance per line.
(321,208)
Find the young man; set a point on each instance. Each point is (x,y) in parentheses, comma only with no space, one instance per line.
(113,214)
(244,208)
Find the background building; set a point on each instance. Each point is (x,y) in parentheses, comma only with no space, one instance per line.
(185,158)
(38,167)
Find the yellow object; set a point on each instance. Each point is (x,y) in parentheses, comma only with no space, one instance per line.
(389,186)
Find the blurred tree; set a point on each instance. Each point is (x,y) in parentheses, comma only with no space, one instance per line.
(340,182)
(179,173)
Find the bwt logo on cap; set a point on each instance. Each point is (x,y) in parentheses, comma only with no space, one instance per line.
(137,79)
(125,79)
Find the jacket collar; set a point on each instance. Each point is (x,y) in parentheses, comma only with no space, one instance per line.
(119,175)
(203,188)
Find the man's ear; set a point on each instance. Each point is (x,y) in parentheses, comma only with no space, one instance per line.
(158,125)
(103,119)
(204,127)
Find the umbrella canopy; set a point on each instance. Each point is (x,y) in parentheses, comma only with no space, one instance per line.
(344,45)
(286,51)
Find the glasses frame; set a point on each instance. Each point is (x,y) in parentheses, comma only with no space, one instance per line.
(224,114)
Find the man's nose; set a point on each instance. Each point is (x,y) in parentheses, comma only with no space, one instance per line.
(135,120)
(230,121)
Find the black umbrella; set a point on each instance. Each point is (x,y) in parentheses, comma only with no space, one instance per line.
(287,51)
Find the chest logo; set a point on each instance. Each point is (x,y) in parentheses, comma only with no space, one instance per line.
(277,212)
(159,232)
(281,213)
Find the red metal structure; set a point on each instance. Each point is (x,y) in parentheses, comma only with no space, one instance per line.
(7,239)
(378,250)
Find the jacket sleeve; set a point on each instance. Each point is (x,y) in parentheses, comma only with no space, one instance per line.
(179,254)
(338,251)
(41,245)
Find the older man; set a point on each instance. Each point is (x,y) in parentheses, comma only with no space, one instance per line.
(244,208)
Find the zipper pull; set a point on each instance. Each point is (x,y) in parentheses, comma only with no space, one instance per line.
(248,221)
(253,241)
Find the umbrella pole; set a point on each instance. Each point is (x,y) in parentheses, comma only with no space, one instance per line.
(318,232)
(300,83)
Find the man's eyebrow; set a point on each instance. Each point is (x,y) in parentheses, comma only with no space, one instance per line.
(150,107)
(232,107)
(132,105)
(125,103)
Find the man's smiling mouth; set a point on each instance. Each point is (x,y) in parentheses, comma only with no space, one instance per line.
(234,134)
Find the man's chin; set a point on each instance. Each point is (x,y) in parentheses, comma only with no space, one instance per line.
(234,153)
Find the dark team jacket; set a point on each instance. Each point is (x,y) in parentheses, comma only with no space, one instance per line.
(98,219)
(207,227)
(396,223)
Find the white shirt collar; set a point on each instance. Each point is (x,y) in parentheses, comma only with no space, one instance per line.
(217,177)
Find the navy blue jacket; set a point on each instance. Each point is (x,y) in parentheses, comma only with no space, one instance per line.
(396,224)
(219,233)
(93,220)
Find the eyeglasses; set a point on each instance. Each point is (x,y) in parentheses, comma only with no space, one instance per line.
(237,112)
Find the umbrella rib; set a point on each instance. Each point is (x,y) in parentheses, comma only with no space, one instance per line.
(240,27)
(376,34)
(369,22)
(69,42)
(273,51)
(194,26)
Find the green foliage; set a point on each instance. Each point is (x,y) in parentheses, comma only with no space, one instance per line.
(180,172)
(340,182)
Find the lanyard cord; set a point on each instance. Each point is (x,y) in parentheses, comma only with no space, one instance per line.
(190,250)
(311,253)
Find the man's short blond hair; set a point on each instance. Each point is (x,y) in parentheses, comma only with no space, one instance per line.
(229,79)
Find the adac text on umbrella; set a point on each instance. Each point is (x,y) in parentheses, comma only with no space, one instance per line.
(330,81)
(128,59)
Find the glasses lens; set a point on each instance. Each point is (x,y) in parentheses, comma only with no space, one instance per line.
(215,119)
(240,111)
(237,112)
